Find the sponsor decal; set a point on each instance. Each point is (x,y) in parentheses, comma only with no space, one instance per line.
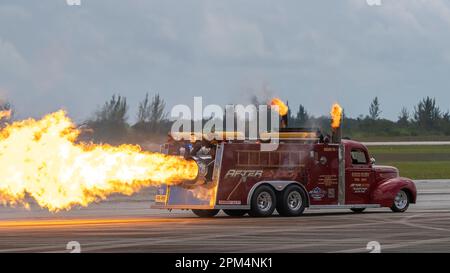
(328,180)
(290,174)
(360,177)
(317,193)
(244,174)
(160,198)
(331,193)
(359,188)
(356,174)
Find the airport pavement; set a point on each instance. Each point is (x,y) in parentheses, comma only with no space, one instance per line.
(126,224)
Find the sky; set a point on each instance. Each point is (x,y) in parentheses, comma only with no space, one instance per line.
(317,52)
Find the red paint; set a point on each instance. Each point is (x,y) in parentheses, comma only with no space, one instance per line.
(365,183)
(316,166)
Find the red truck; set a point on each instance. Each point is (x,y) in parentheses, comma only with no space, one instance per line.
(303,172)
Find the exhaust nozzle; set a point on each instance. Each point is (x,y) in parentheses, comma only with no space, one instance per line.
(202,174)
(336,136)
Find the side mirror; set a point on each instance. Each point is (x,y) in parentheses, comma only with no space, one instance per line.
(372,160)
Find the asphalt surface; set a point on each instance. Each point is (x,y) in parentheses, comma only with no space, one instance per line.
(126,224)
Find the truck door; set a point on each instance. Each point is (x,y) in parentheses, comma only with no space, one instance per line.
(323,185)
(359,177)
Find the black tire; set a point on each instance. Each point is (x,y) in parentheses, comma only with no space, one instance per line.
(400,202)
(263,202)
(205,213)
(292,202)
(235,212)
(357,210)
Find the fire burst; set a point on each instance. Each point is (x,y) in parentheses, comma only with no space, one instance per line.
(283,109)
(6,114)
(41,159)
(336,116)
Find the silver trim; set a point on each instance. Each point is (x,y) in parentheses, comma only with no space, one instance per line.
(181,207)
(217,168)
(187,207)
(247,207)
(341,179)
(353,206)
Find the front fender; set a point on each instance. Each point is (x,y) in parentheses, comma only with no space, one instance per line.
(385,192)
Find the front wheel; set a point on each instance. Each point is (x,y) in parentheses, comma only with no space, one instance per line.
(401,202)
(205,213)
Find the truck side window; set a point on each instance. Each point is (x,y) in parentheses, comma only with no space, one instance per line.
(359,157)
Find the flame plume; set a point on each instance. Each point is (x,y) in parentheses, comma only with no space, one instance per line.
(282,108)
(5,114)
(336,116)
(41,159)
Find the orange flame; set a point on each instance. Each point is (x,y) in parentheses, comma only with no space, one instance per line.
(5,114)
(40,159)
(336,116)
(282,108)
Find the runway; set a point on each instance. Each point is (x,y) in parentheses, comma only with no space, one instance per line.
(128,225)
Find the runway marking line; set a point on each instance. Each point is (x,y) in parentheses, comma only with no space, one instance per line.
(46,223)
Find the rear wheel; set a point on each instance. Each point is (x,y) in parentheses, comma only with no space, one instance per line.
(263,202)
(357,210)
(235,212)
(205,213)
(401,202)
(292,201)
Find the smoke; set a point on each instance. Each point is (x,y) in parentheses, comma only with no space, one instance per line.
(256,93)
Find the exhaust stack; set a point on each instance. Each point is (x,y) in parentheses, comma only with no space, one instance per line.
(336,136)
(336,123)
(284,121)
(283,111)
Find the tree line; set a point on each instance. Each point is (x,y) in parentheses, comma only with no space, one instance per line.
(110,122)
(426,120)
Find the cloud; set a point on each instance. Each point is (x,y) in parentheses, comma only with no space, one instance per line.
(310,52)
(231,37)
(13,64)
